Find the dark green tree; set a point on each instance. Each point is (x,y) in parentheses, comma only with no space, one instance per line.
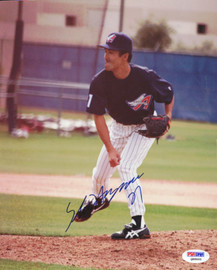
(153,35)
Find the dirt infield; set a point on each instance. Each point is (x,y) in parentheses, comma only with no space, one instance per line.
(163,251)
(154,191)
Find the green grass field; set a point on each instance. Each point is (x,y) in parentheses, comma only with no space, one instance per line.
(29,215)
(191,157)
(14,265)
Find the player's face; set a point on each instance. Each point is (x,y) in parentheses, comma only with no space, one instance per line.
(113,60)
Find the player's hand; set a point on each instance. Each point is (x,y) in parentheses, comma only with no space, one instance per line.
(114,157)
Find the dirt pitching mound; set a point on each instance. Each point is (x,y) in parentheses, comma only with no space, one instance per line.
(163,251)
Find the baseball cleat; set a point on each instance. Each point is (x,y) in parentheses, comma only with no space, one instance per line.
(90,208)
(131,231)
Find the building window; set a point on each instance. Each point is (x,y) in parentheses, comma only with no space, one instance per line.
(70,20)
(66,64)
(201,28)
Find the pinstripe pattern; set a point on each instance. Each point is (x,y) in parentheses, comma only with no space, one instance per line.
(133,149)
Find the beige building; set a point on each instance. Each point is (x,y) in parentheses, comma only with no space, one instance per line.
(193,20)
(78,22)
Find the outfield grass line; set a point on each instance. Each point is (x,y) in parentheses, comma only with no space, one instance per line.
(158,192)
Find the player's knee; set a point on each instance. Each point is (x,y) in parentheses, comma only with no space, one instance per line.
(126,169)
(98,175)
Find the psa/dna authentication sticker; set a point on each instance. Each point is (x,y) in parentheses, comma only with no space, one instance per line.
(195,256)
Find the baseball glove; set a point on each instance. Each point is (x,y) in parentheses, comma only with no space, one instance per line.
(156,126)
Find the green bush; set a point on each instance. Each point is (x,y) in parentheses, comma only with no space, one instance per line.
(153,35)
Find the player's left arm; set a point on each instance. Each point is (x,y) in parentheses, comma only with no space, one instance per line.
(169,108)
(168,112)
(162,91)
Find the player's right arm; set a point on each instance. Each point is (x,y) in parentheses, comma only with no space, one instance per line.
(102,128)
(96,105)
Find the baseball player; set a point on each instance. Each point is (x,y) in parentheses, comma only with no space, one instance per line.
(127,93)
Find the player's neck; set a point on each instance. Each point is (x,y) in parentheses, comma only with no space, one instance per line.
(122,72)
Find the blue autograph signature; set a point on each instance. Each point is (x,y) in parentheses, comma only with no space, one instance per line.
(104,194)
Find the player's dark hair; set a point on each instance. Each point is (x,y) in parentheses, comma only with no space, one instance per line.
(129,55)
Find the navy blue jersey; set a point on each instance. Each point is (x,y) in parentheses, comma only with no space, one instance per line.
(128,100)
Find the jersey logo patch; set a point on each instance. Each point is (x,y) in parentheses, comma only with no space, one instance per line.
(141,103)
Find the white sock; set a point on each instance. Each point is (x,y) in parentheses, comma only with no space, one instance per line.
(142,222)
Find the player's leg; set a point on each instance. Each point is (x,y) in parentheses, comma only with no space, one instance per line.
(132,157)
(100,181)
(102,172)
(100,177)
(119,135)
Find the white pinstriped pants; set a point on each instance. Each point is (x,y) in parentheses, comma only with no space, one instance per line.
(133,149)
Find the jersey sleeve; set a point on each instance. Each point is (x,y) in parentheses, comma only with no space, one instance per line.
(162,89)
(96,102)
